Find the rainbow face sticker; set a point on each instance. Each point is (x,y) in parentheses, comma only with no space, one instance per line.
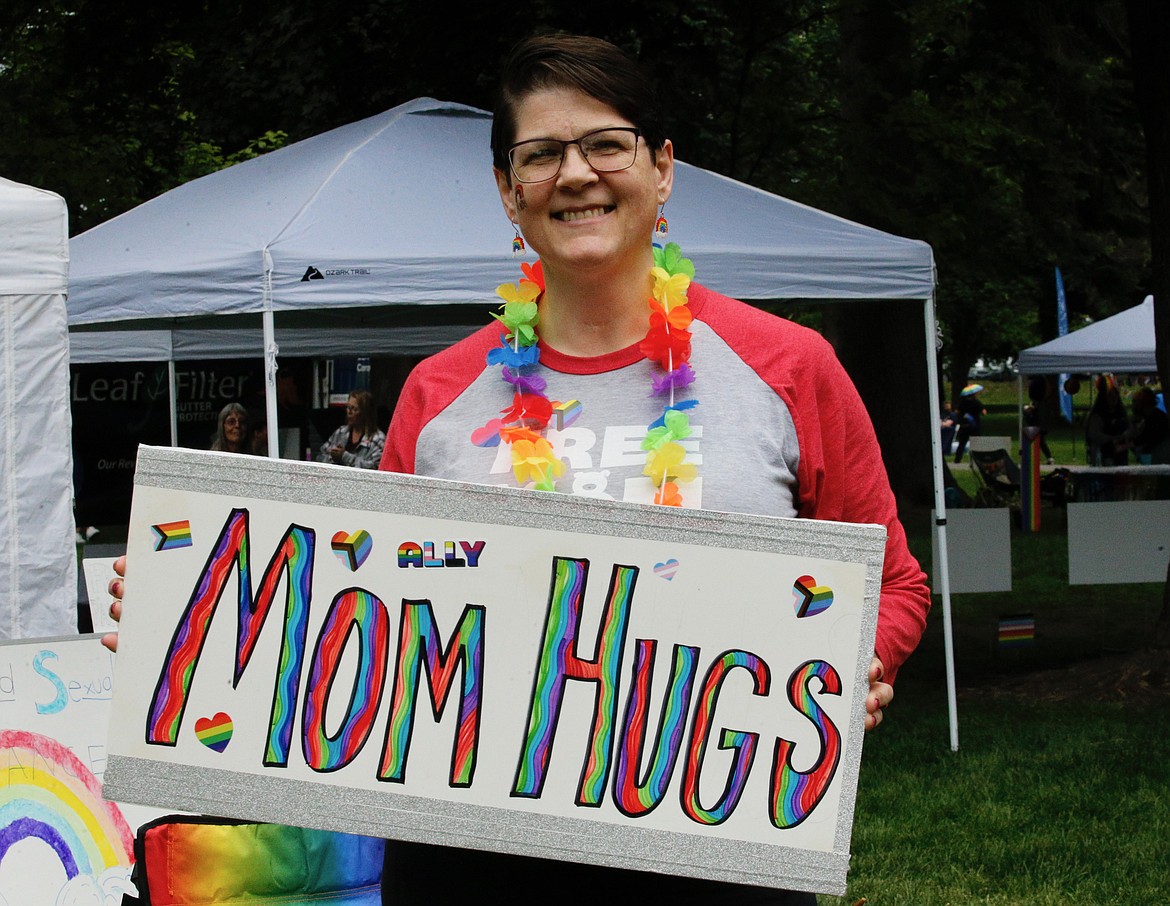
(809,599)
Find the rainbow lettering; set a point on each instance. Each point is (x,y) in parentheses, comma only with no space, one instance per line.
(293,555)
(558,663)
(742,742)
(796,793)
(170,535)
(352,609)
(411,553)
(418,648)
(631,796)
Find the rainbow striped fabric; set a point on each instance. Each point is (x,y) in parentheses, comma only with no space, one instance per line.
(194,861)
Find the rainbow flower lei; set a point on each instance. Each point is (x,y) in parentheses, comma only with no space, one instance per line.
(667,342)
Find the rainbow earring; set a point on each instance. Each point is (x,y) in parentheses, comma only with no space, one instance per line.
(517,242)
(661,227)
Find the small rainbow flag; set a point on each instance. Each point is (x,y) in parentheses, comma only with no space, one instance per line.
(171,535)
(566,413)
(1017,630)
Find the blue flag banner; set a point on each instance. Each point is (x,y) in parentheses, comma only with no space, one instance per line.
(1066,403)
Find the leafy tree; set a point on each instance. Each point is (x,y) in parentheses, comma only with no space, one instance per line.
(1002,134)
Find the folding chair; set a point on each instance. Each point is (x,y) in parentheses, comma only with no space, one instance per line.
(999,478)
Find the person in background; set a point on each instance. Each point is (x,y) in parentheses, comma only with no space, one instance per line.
(1107,429)
(359,441)
(970,411)
(1034,414)
(231,430)
(1150,436)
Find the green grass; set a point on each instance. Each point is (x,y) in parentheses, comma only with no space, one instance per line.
(1044,802)
(1001,399)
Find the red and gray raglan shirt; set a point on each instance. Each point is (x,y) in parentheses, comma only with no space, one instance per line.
(779,430)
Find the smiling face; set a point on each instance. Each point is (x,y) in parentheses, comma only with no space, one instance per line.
(233,429)
(582,221)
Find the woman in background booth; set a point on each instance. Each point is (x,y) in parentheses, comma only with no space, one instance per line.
(1107,429)
(358,442)
(231,430)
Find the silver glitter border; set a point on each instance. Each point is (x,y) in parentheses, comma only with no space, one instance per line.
(391,814)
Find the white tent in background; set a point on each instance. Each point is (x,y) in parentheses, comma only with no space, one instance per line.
(1121,344)
(400,209)
(38,557)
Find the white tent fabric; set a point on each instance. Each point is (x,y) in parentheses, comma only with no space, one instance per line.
(401,209)
(1122,344)
(38,557)
(181,344)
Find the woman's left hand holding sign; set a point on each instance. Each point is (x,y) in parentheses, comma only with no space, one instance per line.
(117,589)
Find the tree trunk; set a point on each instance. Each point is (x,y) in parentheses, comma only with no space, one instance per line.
(1149,31)
(882,345)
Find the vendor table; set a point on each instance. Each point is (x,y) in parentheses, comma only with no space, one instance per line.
(1095,484)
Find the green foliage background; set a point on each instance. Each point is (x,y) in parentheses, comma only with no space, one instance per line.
(1004,135)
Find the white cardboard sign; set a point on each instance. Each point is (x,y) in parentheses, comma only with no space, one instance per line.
(494,668)
(60,841)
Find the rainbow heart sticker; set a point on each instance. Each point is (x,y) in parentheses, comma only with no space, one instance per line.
(214,732)
(352,550)
(667,569)
(808,598)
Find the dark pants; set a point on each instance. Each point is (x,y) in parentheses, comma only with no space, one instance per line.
(423,875)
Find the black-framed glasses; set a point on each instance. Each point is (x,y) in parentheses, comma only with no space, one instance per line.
(605,150)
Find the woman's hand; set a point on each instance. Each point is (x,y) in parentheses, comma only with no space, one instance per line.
(880,695)
(117,589)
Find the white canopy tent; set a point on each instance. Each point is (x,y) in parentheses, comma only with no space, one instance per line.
(400,209)
(1123,343)
(38,557)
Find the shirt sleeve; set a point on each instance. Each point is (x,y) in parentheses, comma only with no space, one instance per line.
(842,477)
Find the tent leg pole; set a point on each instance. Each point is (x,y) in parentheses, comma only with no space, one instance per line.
(270,353)
(173,382)
(940,521)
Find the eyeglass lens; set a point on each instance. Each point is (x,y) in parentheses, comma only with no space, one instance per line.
(606,150)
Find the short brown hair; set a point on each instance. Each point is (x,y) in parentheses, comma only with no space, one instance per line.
(590,65)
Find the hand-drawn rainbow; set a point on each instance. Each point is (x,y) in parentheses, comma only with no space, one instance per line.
(171,535)
(46,793)
(809,599)
(353,549)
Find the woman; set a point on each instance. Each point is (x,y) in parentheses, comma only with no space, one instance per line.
(970,412)
(359,441)
(231,431)
(583,169)
(771,422)
(1107,428)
